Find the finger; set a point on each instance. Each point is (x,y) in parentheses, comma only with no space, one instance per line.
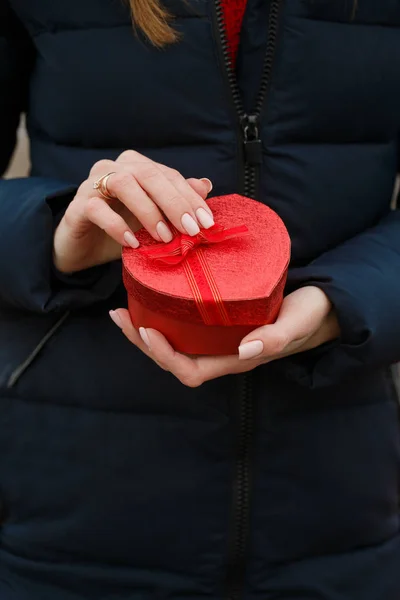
(202,186)
(302,314)
(102,167)
(131,156)
(195,190)
(182,366)
(86,190)
(192,372)
(97,211)
(122,319)
(181,204)
(146,192)
(211,367)
(123,185)
(168,189)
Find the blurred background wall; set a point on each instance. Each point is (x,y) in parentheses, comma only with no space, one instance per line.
(20,164)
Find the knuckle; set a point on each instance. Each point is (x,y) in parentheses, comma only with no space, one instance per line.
(173,175)
(144,171)
(161,365)
(279,343)
(149,215)
(162,167)
(127,156)
(113,229)
(120,180)
(174,201)
(83,189)
(101,166)
(193,380)
(92,206)
(114,222)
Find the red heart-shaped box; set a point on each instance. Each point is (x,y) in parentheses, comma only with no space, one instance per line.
(248,274)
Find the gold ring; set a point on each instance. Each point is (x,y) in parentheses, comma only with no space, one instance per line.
(101,186)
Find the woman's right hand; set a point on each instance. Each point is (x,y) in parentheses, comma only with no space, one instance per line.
(147,194)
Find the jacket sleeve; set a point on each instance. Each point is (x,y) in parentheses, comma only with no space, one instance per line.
(29,207)
(362,279)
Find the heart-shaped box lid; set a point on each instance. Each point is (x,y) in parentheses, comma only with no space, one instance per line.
(246,269)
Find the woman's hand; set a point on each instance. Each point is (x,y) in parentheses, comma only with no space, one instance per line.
(306,320)
(147,194)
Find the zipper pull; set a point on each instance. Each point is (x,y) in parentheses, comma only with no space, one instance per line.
(251,140)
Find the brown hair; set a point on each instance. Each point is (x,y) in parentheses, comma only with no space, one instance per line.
(152,19)
(155,21)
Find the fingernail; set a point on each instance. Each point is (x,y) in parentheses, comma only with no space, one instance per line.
(190,224)
(205,219)
(131,240)
(250,349)
(116,318)
(145,338)
(164,232)
(208,182)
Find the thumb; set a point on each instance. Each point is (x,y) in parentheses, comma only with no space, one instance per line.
(301,315)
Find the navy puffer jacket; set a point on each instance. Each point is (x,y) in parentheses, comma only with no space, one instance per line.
(117,482)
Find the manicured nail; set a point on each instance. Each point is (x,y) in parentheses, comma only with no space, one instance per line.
(250,349)
(145,338)
(190,224)
(208,182)
(164,232)
(205,219)
(116,318)
(131,240)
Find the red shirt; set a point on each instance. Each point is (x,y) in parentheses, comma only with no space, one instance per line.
(233,16)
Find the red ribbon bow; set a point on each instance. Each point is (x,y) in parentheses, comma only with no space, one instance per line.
(176,251)
(187,250)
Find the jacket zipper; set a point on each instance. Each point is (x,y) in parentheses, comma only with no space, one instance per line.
(249,130)
(249,124)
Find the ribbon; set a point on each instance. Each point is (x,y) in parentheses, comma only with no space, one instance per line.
(187,250)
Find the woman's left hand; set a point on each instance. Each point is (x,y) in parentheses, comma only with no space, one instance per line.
(306,320)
